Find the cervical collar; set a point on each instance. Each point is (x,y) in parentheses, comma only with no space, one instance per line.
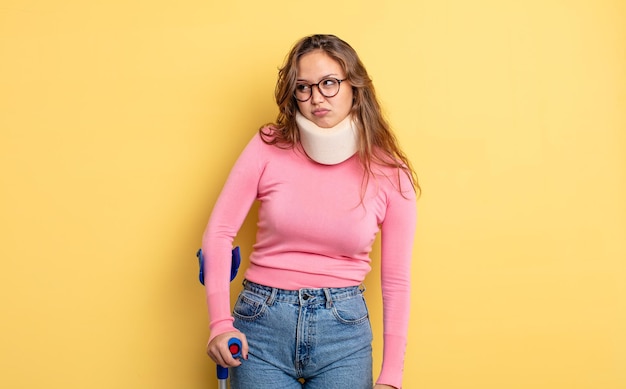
(328,146)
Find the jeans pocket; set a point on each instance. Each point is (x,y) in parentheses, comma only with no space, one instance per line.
(249,306)
(351,311)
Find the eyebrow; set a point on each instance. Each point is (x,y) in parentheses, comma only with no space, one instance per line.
(323,77)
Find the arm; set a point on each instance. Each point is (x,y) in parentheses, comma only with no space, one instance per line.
(229,213)
(397,234)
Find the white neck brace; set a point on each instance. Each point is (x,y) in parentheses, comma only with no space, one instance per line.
(328,146)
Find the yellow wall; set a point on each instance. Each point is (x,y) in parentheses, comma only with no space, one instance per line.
(120,120)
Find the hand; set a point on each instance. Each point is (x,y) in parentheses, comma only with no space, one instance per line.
(380,386)
(218,350)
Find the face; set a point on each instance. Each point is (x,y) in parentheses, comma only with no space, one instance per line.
(325,112)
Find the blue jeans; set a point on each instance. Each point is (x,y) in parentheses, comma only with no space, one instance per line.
(308,338)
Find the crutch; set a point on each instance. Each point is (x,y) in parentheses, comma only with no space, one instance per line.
(234,344)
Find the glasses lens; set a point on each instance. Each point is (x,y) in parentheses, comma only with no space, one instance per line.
(329,87)
(303,92)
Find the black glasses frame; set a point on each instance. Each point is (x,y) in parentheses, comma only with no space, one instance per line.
(320,89)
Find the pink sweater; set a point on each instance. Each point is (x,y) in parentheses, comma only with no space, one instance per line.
(314,232)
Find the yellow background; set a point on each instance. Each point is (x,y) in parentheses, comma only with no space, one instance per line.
(121,119)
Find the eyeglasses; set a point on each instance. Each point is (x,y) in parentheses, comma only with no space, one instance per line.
(328,87)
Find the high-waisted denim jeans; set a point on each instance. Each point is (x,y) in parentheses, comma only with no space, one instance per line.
(308,338)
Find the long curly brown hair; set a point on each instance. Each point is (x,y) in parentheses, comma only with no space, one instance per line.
(377,143)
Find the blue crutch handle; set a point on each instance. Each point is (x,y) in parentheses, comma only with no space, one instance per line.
(234,345)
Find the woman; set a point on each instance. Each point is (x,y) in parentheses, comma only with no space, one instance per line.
(329,175)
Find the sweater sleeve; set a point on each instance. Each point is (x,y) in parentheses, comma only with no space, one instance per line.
(229,213)
(397,235)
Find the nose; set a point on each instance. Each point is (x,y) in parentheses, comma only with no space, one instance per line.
(316,95)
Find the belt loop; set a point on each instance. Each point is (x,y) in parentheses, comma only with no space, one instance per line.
(272,297)
(329,299)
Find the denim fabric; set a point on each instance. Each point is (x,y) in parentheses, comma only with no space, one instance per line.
(308,338)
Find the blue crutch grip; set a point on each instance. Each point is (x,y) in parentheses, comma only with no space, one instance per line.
(234,346)
(222,372)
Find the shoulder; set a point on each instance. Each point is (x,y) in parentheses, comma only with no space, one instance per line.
(262,139)
(269,136)
(265,146)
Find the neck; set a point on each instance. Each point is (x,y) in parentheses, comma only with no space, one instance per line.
(328,146)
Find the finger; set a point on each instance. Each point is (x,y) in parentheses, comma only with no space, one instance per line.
(219,351)
(232,353)
(214,354)
(244,346)
(229,361)
(215,350)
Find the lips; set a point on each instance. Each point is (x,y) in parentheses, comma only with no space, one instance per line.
(320,112)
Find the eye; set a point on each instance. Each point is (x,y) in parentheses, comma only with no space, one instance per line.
(302,88)
(328,83)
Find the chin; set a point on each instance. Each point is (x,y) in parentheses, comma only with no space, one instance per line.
(324,123)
